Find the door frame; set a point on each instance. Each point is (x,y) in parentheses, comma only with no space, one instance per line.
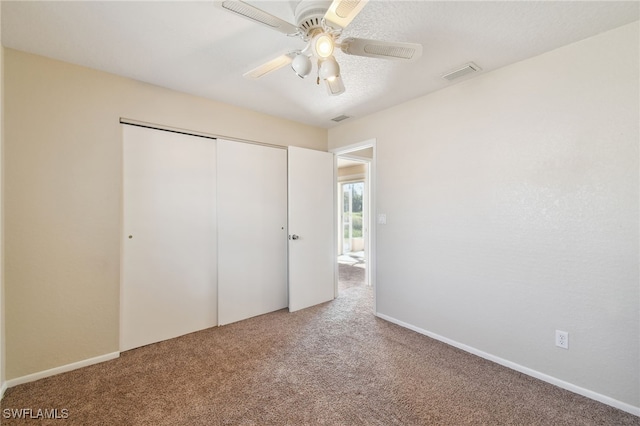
(344,152)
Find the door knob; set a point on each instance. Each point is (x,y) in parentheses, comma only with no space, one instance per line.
(293,237)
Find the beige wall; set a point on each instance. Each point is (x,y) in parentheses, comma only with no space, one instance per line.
(63,169)
(357,170)
(2,318)
(519,190)
(362,153)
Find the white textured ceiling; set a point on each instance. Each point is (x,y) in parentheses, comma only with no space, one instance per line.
(195,47)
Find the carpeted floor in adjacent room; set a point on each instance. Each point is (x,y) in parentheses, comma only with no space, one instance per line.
(333,364)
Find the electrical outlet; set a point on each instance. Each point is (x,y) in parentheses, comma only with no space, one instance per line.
(562,339)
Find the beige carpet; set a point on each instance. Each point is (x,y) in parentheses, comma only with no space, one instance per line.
(334,364)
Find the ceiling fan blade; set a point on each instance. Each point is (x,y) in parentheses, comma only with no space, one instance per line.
(267,67)
(342,12)
(259,16)
(335,86)
(381,49)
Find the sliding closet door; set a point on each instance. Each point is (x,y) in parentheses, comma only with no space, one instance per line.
(169,236)
(252,234)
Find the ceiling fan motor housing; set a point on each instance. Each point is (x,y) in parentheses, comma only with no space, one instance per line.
(309,16)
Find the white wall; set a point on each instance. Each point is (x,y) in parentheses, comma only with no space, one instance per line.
(519,189)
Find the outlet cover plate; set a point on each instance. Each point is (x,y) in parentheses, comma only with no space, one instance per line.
(562,339)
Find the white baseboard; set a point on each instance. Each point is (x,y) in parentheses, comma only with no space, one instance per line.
(3,388)
(62,369)
(522,369)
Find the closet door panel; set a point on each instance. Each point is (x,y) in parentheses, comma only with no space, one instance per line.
(252,233)
(168,283)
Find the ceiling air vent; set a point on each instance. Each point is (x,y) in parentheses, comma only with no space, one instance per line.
(463,70)
(340,118)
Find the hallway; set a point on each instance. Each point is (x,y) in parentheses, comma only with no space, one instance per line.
(351,270)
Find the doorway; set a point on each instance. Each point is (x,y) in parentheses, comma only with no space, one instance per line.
(353,218)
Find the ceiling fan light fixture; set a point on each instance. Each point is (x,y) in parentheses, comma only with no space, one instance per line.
(329,69)
(320,26)
(322,46)
(301,65)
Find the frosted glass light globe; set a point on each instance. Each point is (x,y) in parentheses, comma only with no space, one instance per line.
(329,69)
(301,65)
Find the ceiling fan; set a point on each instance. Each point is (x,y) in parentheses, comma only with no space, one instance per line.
(320,25)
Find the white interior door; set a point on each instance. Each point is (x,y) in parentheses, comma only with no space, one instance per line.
(311,228)
(252,235)
(168,285)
